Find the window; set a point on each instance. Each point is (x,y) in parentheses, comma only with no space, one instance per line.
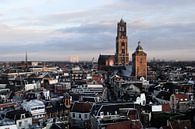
(22,116)
(86,116)
(66,102)
(123,47)
(141,60)
(73,115)
(123,44)
(123,50)
(122,28)
(20,124)
(79,115)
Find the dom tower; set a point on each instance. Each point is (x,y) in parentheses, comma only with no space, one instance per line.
(122,55)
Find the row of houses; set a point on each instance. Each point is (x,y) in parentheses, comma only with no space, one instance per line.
(105,115)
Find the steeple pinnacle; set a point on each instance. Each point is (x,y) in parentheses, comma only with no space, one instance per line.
(122,21)
(139,48)
(26,57)
(139,42)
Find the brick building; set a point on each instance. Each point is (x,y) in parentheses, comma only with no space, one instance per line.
(122,55)
(139,62)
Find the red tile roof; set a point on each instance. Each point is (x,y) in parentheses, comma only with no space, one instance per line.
(181,96)
(7,105)
(125,125)
(166,107)
(82,107)
(181,124)
(97,78)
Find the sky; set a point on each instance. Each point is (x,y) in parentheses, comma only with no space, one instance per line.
(56,30)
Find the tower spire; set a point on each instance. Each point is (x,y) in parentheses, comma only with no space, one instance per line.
(26,60)
(139,42)
(26,57)
(139,47)
(122,21)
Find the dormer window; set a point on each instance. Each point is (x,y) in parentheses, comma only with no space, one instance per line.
(101,113)
(22,116)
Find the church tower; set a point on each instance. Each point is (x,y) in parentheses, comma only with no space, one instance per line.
(122,55)
(139,60)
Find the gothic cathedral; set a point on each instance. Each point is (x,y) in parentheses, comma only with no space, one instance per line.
(122,55)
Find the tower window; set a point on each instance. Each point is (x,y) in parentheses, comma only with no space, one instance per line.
(141,60)
(123,47)
(122,29)
(123,50)
(123,44)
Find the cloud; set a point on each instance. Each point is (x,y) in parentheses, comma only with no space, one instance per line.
(88,28)
(167,37)
(100,38)
(51,29)
(96,39)
(64,17)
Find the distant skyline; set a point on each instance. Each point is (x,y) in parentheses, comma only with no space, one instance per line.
(55,30)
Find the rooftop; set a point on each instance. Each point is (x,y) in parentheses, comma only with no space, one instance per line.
(34,103)
(82,107)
